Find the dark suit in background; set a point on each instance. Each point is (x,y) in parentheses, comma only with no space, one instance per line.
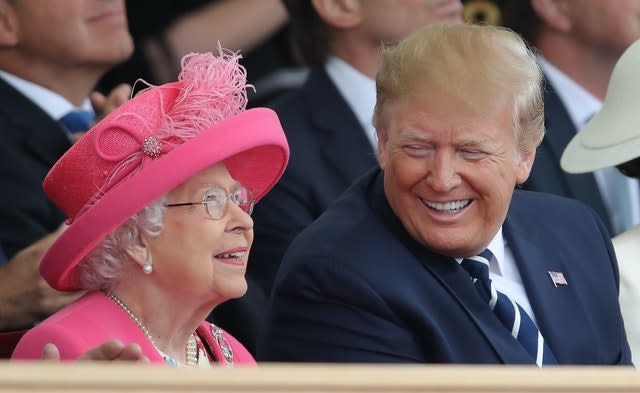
(547,175)
(585,51)
(329,147)
(30,143)
(356,287)
(329,150)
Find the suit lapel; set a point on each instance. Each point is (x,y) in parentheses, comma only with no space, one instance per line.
(341,137)
(560,132)
(554,307)
(38,133)
(457,281)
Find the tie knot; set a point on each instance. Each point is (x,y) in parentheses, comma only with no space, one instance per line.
(77,120)
(478,265)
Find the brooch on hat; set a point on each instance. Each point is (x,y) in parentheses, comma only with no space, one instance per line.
(152,146)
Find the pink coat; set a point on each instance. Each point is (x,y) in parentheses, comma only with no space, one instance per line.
(94,319)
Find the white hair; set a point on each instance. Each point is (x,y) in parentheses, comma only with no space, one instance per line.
(103,266)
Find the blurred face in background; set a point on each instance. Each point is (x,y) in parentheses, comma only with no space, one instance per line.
(388,21)
(71,33)
(608,26)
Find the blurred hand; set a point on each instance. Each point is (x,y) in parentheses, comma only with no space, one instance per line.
(112,350)
(25,297)
(103,105)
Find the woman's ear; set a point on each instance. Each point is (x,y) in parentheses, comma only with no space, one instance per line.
(138,253)
(141,255)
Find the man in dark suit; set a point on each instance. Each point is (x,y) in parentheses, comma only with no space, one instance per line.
(50,60)
(433,257)
(578,44)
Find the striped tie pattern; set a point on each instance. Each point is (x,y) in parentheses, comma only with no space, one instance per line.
(512,316)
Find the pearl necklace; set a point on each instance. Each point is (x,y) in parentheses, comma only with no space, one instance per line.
(191,351)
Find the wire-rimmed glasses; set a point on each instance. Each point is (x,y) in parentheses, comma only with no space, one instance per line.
(215,200)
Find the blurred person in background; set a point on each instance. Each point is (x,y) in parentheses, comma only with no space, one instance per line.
(328,120)
(257,28)
(578,43)
(51,58)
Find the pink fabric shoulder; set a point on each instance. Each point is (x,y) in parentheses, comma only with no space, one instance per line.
(94,319)
(82,325)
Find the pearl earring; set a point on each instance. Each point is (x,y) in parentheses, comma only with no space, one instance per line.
(147,268)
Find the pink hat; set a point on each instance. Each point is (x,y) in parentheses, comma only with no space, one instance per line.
(150,145)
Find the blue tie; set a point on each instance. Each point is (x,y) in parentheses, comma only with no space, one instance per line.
(512,316)
(77,121)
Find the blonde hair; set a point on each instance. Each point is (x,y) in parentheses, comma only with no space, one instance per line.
(477,65)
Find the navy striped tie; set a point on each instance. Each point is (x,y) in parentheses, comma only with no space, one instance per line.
(512,316)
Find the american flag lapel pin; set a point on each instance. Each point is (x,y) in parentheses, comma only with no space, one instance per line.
(557,278)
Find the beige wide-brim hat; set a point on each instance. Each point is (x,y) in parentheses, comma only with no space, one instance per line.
(612,136)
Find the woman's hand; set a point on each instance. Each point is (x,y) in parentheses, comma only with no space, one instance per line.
(111,350)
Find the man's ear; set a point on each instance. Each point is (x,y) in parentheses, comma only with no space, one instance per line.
(553,13)
(383,139)
(341,14)
(525,165)
(8,24)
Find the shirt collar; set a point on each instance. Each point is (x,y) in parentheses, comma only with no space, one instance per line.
(52,103)
(580,104)
(496,246)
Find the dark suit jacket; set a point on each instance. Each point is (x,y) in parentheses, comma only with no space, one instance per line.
(547,175)
(329,150)
(30,143)
(355,287)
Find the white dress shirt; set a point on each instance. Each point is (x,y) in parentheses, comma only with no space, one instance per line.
(52,103)
(358,90)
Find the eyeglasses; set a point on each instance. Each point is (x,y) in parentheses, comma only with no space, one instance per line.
(215,199)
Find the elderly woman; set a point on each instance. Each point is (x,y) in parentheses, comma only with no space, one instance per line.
(159,195)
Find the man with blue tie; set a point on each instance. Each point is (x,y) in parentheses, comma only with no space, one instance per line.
(435,257)
(51,57)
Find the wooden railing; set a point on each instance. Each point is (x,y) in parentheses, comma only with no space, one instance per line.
(121,377)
